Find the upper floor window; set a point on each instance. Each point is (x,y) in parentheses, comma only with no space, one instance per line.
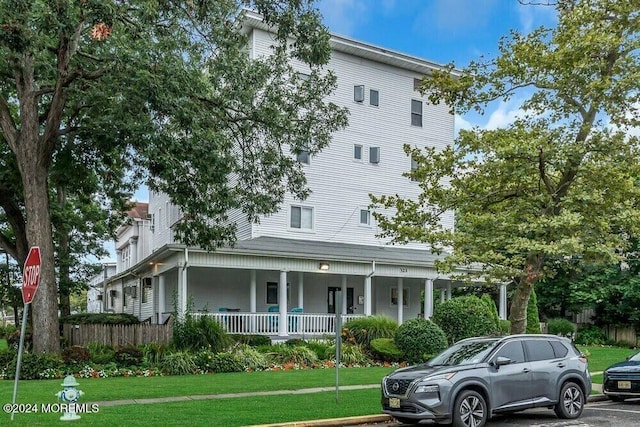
(303,157)
(414,167)
(416,113)
(357,152)
(417,85)
(358,93)
(374,97)
(374,155)
(365,217)
(301,217)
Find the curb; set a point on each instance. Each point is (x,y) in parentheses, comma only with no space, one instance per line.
(334,422)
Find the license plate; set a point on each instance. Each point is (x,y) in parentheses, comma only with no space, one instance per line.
(624,384)
(394,402)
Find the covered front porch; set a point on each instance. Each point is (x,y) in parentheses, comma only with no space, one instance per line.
(285,287)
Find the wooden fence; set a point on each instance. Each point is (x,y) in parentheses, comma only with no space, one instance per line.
(627,335)
(118,335)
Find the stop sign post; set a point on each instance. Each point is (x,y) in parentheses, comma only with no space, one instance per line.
(30,280)
(31,275)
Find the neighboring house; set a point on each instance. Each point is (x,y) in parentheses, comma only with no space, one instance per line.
(315,256)
(96,292)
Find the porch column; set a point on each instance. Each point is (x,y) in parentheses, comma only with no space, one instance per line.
(400,301)
(252,300)
(448,291)
(161,297)
(301,290)
(182,290)
(367,296)
(133,257)
(428,298)
(252,292)
(503,301)
(283,303)
(344,294)
(442,295)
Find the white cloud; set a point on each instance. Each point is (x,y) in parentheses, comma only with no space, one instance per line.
(532,16)
(504,115)
(462,124)
(343,16)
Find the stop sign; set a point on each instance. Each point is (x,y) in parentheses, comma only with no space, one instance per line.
(31,274)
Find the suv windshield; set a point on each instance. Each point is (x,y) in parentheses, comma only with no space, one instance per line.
(464,353)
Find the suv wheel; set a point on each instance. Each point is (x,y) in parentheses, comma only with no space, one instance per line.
(571,401)
(470,410)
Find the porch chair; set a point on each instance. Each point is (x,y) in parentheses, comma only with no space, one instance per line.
(273,320)
(293,322)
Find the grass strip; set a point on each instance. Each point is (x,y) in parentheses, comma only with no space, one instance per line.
(222,412)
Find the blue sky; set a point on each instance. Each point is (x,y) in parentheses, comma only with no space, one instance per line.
(442,31)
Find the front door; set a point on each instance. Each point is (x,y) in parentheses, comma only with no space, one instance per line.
(332,293)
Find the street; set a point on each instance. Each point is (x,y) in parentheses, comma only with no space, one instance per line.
(596,414)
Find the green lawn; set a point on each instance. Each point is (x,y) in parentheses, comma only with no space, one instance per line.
(600,358)
(3,344)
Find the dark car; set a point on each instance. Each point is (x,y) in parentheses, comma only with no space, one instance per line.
(478,377)
(622,380)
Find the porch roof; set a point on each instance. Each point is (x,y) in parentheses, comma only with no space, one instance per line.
(331,251)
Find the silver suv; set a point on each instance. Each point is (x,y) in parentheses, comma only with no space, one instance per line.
(478,377)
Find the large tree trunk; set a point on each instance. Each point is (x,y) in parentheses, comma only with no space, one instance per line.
(46,334)
(520,301)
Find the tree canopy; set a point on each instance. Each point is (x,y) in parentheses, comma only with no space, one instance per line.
(561,180)
(96,94)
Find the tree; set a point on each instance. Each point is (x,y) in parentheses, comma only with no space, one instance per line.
(560,180)
(164,87)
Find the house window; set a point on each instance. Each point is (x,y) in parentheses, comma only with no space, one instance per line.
(301,217)
(358,93)
(416,113)
(417,85)
(365,217)
(357,152)
(405,296)
(414,167)
(303,76)
(374,155)
(374,97)
(303,157)
(272,292)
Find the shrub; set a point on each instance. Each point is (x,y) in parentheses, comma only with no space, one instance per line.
(419,338)
(385,349)
(101,353)
(293,342)
(250,358)
(318,347)
(363,330)
(300,355)
(464,317)
(505,326)
(7,330)
(226,362)
(100,318)
(179,363)
(561,326)
(199,333)
(13,340)
(34,366)
(490,303)
(252,340)
(351,354)
(128,356)
(75,354)
(591,335)
(533,318)
(152,353)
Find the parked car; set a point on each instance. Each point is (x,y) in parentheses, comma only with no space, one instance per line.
(622,380)
(478,377)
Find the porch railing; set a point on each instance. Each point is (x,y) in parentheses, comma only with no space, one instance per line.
(305,324)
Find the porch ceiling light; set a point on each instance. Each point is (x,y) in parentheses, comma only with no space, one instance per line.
(324,266)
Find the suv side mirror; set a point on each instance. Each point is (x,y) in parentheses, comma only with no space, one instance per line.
(501,360)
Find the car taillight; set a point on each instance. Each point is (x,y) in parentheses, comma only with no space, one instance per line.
(582,359)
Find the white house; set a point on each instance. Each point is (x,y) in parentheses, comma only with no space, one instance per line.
(96,291)
(289,273)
